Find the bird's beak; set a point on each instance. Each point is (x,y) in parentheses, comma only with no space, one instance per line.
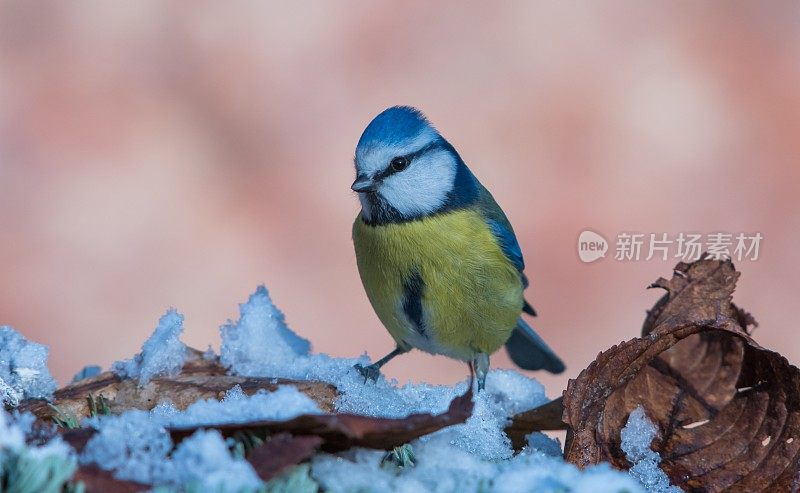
(364,184)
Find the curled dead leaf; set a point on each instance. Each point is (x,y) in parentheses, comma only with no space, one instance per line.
(728,410)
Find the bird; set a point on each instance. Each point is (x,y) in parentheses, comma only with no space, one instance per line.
(436,254)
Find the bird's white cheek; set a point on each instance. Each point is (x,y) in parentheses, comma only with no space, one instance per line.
(419,190)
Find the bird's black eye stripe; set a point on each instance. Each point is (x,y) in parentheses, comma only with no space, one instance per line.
(400,163)
(433,145)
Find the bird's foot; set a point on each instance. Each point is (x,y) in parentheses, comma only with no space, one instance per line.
(480,364)
(369,372)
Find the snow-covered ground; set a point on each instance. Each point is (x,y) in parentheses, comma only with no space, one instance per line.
(473,456)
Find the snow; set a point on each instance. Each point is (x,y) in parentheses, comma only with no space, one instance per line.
(204,462)
(442,467)
(637,434)
(539,442)
(9,396)
(23,369)
(162,354)
(132,445)
(507,393)
(260,337)
(136,446)
(473,456)
(248,349)
(12,436)
(284,403)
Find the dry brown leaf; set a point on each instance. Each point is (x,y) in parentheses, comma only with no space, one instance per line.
(545,417)
(295,440)
(728,410)
(199,379)
(96,480)
(337,431)
(280,452)
(343,431)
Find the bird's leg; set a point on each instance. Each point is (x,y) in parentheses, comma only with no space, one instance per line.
(480,363)
(371,372)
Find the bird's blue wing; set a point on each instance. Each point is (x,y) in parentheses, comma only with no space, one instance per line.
(501,229)
(508,242)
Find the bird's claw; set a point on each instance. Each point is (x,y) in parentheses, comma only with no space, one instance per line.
(369,372)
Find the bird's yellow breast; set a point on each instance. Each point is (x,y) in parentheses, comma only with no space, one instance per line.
(471,295)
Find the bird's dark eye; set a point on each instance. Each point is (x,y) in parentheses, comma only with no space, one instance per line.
(399,163)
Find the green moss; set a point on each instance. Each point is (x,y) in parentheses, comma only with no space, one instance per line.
(35,470)
(295,480)
(400,457)
(64,419)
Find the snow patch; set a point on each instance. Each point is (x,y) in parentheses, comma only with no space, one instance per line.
(23,369)
(136,446)
(204,462)
(162,354)
(637,435)
(284,403)
(260,339)
(442,467)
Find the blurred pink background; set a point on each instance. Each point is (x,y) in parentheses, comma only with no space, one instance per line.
(157,154)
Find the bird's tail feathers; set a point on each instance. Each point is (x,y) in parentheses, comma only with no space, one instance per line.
(530,352)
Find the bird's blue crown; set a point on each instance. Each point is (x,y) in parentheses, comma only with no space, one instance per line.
(394,125)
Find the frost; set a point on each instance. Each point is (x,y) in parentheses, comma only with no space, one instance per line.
(445,468)
(507,393)
(132,445)
(9,396)
(636,436)
(260,338)
(136,446)
(162,354)
(541,443)
(12,436)
(285,403)
(204,461)
(23,369)
(260,344)
(471,457)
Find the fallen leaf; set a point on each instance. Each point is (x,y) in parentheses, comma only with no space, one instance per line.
(343,431)
(728,410)
(545,417)
(280,452)
(96,480)
(199,379)
(337,431)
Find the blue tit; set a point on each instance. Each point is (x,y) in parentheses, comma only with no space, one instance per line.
(437,256)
